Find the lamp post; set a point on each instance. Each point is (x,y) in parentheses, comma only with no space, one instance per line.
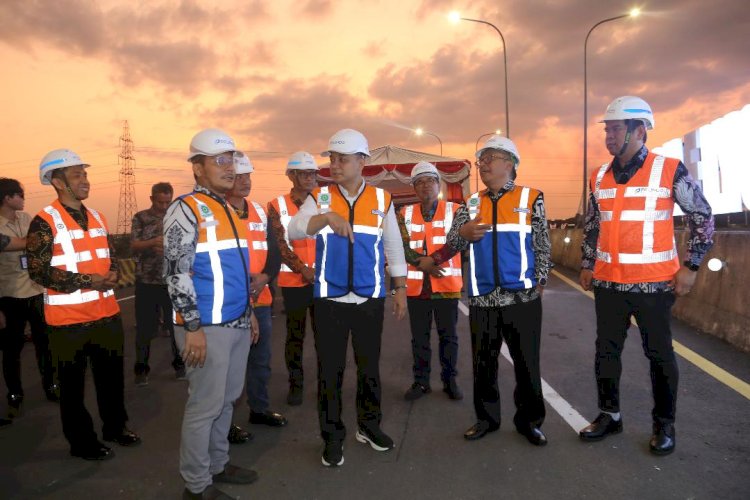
(632,13)
(476,148)
(420,131)
(456,17)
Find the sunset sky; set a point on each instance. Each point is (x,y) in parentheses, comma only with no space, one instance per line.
(282,76)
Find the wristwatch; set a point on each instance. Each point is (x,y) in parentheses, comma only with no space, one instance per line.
(393,292)
(691,266)
(542,281)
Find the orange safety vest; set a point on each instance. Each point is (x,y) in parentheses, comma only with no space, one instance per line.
(433,234)
(636,230)
(304,248)
(78,251)
(257,227)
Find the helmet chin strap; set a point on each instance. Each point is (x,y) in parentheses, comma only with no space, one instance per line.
(67,188)
(632,124)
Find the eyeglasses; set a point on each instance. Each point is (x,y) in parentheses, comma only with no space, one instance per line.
(426,181)
(223,161)
(487,159)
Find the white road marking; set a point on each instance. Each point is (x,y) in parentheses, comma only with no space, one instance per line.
(125,298)
(562,407)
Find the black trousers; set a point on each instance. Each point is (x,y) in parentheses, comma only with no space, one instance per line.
(445,313)
(74,347)
(151,303)
(333,323)
(297,301)
(652,311)
(520,325)
(18,312)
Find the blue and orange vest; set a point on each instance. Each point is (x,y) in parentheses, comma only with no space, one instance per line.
(504,257)
(340,265)
(221,268)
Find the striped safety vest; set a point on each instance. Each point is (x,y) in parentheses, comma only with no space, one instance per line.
(636,229)
(257,227)
(78,251)
(220,271)
(304,248)
(340,265)
(433,234)
(511,264)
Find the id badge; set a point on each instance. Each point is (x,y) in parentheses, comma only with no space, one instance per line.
(24,261)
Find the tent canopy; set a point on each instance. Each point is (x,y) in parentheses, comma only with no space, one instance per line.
(389,167)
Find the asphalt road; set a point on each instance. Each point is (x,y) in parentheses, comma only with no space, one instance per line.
(431,459)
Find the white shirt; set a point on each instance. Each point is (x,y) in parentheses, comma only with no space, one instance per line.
(393,245)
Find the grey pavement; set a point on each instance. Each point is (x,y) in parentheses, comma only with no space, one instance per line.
(431,459)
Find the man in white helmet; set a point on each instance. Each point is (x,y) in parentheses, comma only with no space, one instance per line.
(356,230)
(297,266)
(504,228)
(71,255)
(207,271)
(264,266)
(630,260)
(433,282)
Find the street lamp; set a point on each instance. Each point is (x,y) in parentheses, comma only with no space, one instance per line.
(633,13)
(419,131)
(455,17)
(476,148)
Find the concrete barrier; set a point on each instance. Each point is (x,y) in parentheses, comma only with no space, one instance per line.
(719,303)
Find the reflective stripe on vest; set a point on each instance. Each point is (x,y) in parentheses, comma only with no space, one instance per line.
(636,239)
(366,274)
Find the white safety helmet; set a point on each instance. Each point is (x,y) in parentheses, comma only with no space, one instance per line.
(424,168)
(211,142)
(503,144)
(301,160)
(347,142)
(59,158)
(629,107)
(242,164)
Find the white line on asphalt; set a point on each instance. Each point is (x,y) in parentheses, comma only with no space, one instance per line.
(125,298)
(566,411)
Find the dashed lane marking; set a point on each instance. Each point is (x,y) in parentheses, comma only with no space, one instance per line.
(693,357)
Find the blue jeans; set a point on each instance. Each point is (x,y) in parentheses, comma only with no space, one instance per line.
(259,363)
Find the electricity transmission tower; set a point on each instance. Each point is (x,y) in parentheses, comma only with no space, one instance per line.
(126,160)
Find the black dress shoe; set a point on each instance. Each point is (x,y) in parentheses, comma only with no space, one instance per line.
(237,435)
(600,428)
(270,418)
(53,393)
(95,451)
(125,438)
(479,430)
(14,405)
(663,440)
(534,434)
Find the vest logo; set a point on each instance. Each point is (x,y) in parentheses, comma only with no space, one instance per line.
(375,211)
(61,226)
(659,191)
(473,202)
(205,211)
(324,198)
(521,210)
